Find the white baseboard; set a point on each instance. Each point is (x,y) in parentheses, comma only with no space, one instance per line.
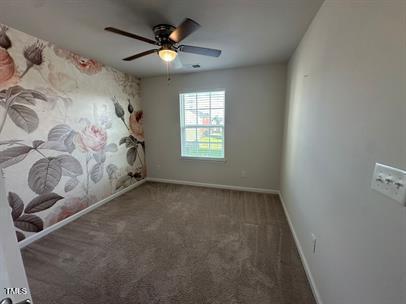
(62,223)
(302,256)
(197,184)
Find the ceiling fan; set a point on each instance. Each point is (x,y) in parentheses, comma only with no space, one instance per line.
(167,39)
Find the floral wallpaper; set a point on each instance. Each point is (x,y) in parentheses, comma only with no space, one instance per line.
(71,131)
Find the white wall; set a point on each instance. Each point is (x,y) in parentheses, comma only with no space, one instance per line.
(255,99)
(346,111)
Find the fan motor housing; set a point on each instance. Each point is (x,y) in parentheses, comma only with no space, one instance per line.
(162,32)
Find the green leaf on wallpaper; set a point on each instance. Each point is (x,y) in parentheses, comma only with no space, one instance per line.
(123,181)
(37,143)
(28,96)
(20,236)
(11,156)
(8,95)
(111,148)
(13,90)
(42,202)
(59,132)
(26,101)
(18,94)
(129,141)
(123,140)
(71,184)
(57,146)
(100,157)
(61,138)
(24,117)
(16,204)
(10,142)
(70,165)
(29,223)
(111,170)
(69,141)
(133,140)
(131,155)
(96,173)
(45,175)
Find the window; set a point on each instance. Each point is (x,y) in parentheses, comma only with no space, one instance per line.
(202,124)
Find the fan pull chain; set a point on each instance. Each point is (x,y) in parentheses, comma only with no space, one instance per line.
(167,73)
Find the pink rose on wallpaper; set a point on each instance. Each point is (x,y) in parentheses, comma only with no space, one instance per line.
(91,139)
(136,125)
(7,67)
(86,65)
(70,207)
(83,64)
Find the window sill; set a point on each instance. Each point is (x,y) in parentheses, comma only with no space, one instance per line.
(216,160)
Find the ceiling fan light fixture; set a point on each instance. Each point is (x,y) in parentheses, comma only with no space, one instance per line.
(167,41)
(167,55)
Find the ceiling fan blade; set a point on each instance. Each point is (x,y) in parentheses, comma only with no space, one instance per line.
(124,33)
(177,63)
(140,55)
(187,27)
(199,50)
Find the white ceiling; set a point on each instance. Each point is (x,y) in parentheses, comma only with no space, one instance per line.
(248,32)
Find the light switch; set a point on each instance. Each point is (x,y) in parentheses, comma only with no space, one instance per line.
(390,182)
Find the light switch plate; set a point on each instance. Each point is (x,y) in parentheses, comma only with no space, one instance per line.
(390,182)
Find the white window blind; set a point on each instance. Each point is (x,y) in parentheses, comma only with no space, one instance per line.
(202,124)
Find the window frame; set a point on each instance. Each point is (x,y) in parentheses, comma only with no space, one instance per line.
(182,126)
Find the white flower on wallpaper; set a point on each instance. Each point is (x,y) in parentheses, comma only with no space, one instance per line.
(70,131)
(129,83)
(61,81)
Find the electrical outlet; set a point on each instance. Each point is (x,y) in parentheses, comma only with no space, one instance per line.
(390,182)
(314,240)
(243,174)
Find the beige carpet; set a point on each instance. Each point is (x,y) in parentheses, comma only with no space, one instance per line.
(164,243)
